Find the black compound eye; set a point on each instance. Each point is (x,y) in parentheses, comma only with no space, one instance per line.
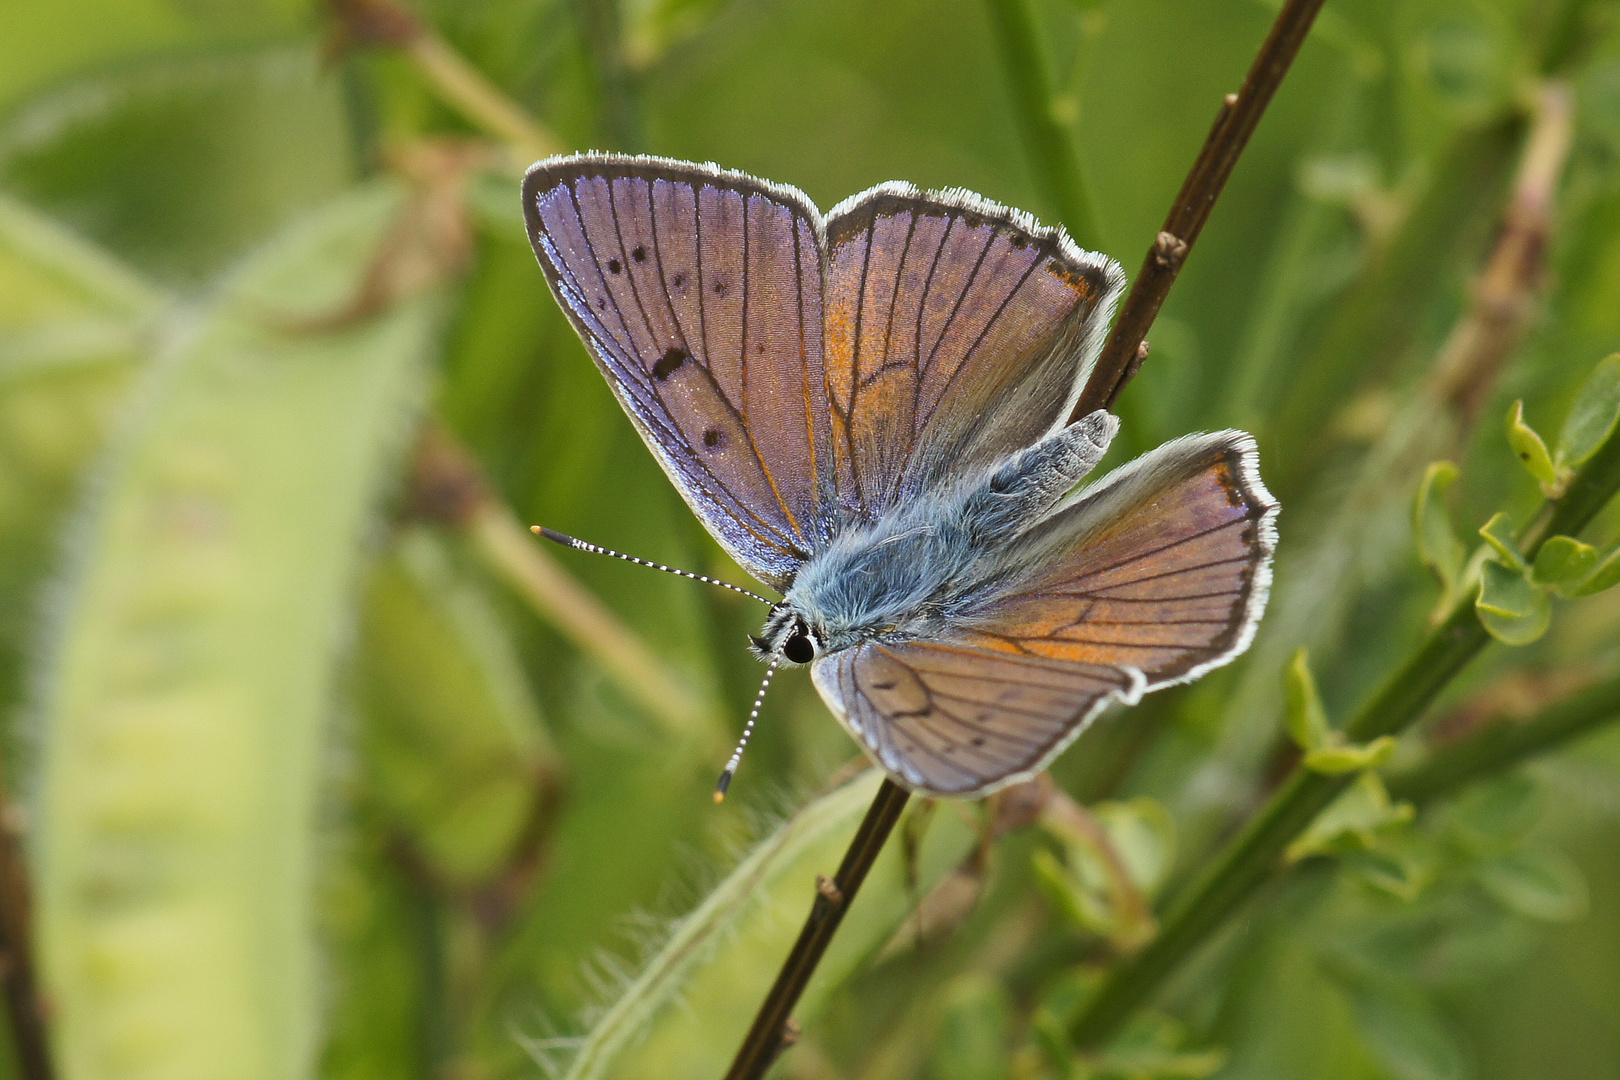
(799,648)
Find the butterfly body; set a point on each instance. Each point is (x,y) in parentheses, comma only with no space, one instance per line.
(868,411)
(924,566)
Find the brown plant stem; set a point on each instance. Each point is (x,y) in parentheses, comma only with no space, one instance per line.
(1238,116)
(1504,293)
(771,1030)
(24,1007)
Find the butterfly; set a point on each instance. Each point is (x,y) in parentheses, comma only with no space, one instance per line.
(868,410)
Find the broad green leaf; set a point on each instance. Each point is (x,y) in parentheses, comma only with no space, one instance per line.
(1542,885)
(1498,532)
(1492,818)
(1605,575)
(1307,720)
(684,1014)
(1437,541)
(1513,608)
(1403,1032)
(1592,418)
(192,658)
(1339,759)
(1563,559)
(1529,448)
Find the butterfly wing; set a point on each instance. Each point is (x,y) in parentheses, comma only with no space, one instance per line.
(699,294)
(1152,576)
(958,331)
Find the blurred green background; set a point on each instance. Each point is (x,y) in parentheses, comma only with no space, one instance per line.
(321,767)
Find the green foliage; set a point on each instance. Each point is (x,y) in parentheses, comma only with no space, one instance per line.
(321,771)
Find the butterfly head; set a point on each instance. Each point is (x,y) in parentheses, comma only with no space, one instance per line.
(790,636)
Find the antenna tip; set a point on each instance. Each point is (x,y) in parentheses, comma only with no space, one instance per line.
(553,535)
(723,786)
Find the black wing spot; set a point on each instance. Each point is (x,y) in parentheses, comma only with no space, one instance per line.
(613,266)
(971,221)
(1018,242)
(977,740)
(678,281)
(666,367)
(714,439)
(883,686)
(720,287)
(601,303)
(639,254)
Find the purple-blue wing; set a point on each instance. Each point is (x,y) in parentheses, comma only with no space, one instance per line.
(1152,576)
(948,718)
(699,294)
(958,331)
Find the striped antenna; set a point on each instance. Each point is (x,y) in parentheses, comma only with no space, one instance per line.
(724,783)
(569,541)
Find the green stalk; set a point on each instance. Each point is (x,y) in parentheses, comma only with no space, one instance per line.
(1253,856)
(1501,746)
(1047,144)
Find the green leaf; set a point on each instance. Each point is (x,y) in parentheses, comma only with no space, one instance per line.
(193,655)
(1542,885)
(1489,819)
(1605,575)
(1531,451)
(1064,892)
(1339,759)
(1401,1029)
(1563,559)
(684,1014)
(1514,609)
(1591,419)
(1352,822)
(1307,720)
(971,1041)
(1143,834)
(1437,541)
(1498,532)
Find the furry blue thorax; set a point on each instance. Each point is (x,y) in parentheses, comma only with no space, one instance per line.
(910,572)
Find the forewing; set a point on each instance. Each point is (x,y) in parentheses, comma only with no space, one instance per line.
(957,720)
(958,331)
(699,294)
(1162,567)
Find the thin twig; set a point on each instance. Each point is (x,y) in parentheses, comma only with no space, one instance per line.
(1234,123)
(1255,854)
(456,81)
(24,1006)
(1506,743)
(770,1031)
(1504,293)
(1047,144)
